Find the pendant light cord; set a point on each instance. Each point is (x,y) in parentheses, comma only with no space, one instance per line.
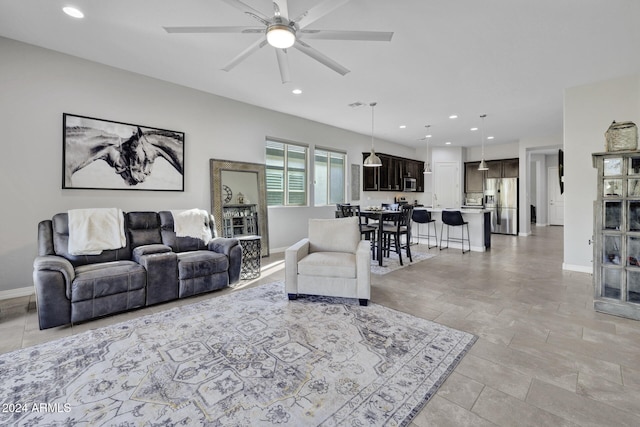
(373,104)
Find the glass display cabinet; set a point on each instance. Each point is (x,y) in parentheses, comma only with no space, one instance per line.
(239,220)
(616,275)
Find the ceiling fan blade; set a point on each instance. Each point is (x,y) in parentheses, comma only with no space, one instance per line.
(318,12)
(281,8)
(320,57)
(248,10)
(374,36)
(283,63)
(244,54)
(198,30)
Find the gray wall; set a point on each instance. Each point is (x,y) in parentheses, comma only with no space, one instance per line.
(38,85)
(588,112)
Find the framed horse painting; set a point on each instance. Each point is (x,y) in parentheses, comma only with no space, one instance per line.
(107,155)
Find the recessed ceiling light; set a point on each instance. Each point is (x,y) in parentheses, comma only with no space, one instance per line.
(448,143)
(453,116)
(296,91)
(427,136)
(490,137)
(474,129)
(73,12)
(403,126)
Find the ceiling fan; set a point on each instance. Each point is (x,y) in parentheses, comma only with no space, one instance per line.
(282,33)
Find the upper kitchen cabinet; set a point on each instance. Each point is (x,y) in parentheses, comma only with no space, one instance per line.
(510,168)
(506,168)
(390,176)
(390,173)
(495,169)
(370,176)
(473,178)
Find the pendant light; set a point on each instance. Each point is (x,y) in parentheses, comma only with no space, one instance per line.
(372,161)
(483,165)
(427,166)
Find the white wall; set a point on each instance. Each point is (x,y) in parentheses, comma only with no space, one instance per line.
(588,112)
(37,86)
(492,152)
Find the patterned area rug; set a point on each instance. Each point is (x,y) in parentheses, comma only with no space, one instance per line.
(392,262)
(243,359)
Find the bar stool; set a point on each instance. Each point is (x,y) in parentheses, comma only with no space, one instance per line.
(423,216)
(454,219)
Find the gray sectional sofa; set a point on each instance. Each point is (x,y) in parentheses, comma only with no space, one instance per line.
(155,266)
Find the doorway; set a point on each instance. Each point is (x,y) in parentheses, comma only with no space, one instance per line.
(555,198)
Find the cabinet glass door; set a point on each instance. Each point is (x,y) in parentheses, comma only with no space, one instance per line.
(633,215)
(613,166)
(611,280)
(612,215)
(612,188)
(633,166)
(633,286)
(611,250)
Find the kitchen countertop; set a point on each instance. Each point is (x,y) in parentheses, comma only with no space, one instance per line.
(463,209)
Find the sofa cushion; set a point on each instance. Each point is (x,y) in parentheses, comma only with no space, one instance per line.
(201,263)
(60,228)
(108,278)
(177,244)
(328,264)
(334,235)
(143,228)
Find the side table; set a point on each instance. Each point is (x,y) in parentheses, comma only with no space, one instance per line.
(250,257)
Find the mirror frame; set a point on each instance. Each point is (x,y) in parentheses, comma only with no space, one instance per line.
(216,168)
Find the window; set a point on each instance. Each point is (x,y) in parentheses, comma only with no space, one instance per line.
(329,182)
(286,174)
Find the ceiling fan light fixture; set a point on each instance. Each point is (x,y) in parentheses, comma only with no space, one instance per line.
(281,36)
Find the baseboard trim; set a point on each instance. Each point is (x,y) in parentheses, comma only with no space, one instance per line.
(524,234)
(16,293)
(578,268)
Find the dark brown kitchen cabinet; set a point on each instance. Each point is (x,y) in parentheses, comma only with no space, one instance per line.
(473,178)
(495,169)
(370,176)
(390,176)
(510,168)
(506,168)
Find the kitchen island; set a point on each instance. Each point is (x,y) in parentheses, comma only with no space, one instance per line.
(479,228)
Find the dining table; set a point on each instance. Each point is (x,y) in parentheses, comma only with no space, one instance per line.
(380,215)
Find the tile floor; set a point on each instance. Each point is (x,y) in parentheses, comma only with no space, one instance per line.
(544,357)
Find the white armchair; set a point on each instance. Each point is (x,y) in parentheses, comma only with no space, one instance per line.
(332,261)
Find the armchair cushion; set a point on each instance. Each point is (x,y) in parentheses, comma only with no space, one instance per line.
(334,235)
(329,264)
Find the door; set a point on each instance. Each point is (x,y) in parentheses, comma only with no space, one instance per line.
(556,200)
(446,185)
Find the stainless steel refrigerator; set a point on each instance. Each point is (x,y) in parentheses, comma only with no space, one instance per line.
(501,199)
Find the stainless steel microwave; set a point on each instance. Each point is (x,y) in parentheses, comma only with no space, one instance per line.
(410,184)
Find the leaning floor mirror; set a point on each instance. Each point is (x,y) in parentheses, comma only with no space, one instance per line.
(239,200)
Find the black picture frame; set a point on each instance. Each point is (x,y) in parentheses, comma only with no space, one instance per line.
(99,154)
(561,170)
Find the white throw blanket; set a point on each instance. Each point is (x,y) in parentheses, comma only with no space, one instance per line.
(93,230)
(192,223)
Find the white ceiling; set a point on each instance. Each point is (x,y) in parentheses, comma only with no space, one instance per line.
(509,59)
